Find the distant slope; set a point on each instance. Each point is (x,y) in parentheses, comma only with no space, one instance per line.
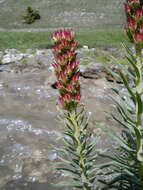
(78,14)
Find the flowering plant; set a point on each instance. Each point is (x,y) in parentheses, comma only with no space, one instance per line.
(127,163)
(78,153)
(134,26)
(66,68)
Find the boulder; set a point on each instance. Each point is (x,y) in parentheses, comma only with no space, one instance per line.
(93,71)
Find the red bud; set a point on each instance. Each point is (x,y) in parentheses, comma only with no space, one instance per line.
(138,37)
(127,7)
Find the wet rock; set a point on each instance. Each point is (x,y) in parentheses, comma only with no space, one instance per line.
(36,168)
(5,175)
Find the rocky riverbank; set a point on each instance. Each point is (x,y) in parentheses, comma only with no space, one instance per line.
(28,115)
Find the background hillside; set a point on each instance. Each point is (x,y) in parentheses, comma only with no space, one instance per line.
(78,14)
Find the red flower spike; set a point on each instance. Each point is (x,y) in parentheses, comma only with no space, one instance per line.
(73,45)
(139,13)
(62,76)
(134,1)
(56,67)
(61,60)
(69,55)
(141,29)
(61,99)
(66,68)
(67,97)
(59,84)
(64,43)
(69,34)
(131,23)
(77,97)
(75,65)
(127,7)
(78,88)
(138,38)
(70,87)
(75,78)
(125,28)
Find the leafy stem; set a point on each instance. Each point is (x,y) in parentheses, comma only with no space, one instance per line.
(139,110)
(76,129)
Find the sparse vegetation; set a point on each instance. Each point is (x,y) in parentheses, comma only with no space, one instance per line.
(31,15)
(76,14)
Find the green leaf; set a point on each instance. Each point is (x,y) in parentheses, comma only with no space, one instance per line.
(123,68)
(122,96)
(129,52)
(120,122)
(114,137)
(86,123)
(68,126)
(61,150)
(133,64)
(69,171)
(91,179)
(79,114)
(113,74)
(140,105)
(81,120)
(68,144)
(122,112)
(71,136)
(128,88)
(92,145)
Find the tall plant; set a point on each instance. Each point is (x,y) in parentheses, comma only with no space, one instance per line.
(127,163)
(78,154)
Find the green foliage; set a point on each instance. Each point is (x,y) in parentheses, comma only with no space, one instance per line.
(126,163)
(94,14)
(78,154)
(31,15)
(32,40)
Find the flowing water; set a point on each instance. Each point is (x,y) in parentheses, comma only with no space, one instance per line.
(28,125)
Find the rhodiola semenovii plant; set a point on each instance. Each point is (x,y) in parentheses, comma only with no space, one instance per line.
(127,162)
(78,154)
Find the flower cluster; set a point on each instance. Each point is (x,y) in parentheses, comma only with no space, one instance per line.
(134,23)
(66,68)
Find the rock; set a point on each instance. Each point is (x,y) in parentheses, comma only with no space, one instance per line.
(85,47)
(40,59)
(36,168)
(116,70)
(93,71)
(98,71)
(9,58)
(51,79)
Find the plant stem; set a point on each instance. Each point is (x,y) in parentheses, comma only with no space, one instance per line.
(77,129)
(139,114)
(138,84)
